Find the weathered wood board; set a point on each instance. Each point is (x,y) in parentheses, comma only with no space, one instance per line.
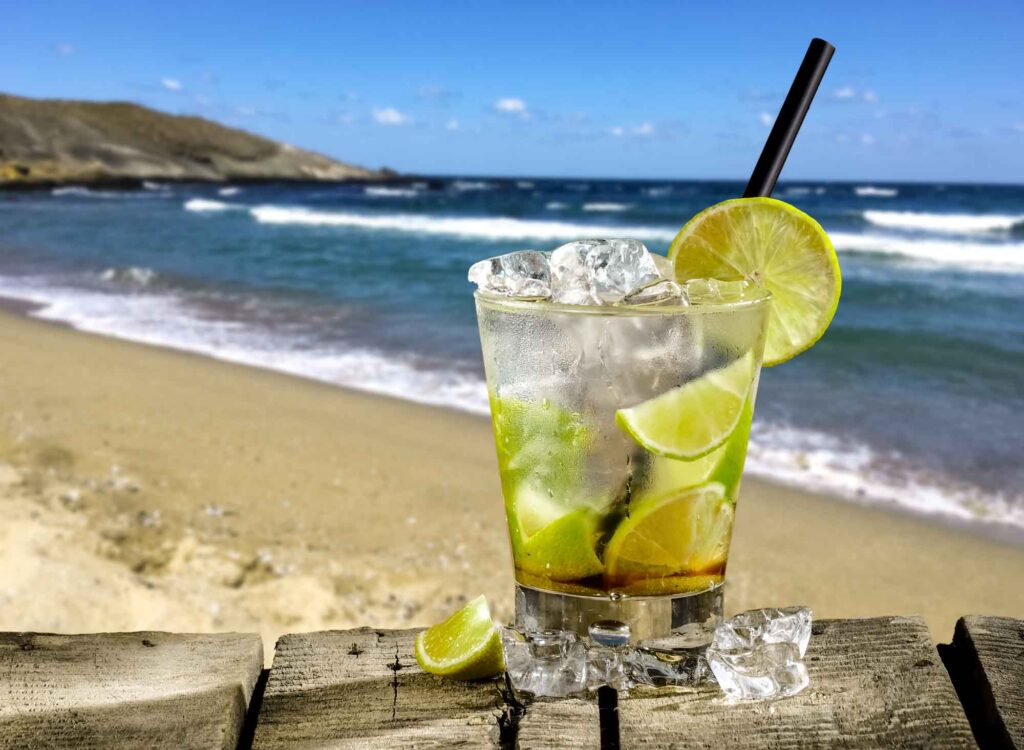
(363,689)
(874,683)
(986,660)
(126,690)
(563,723)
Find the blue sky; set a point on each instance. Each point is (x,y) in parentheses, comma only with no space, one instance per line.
(916,91)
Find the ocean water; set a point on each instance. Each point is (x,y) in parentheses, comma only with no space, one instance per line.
(914,398)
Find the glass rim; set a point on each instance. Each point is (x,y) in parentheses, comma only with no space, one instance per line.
(761,296)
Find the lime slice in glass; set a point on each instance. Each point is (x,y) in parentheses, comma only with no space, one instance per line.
(685,533)
(466,646)
(773,245)
(693,419)
(532,509)
(670,476)
(564,550)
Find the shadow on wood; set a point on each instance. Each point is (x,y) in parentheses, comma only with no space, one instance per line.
(986,662)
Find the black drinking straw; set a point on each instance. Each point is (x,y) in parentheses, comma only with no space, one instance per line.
(790,118)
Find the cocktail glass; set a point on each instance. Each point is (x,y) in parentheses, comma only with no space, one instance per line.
(621,434)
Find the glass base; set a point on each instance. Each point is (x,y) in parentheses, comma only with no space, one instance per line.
(688,619)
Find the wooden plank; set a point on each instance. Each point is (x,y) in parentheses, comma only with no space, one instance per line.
(986,661)
(874,683)
(126,690)
(562,723)
(363,689)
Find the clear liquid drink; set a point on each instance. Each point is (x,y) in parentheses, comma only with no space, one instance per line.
(621,434)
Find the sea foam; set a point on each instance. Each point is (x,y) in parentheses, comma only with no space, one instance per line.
(498,228)
(77,191)
(945,223)
(606,207)
(390,192)
(815,460)
(1004,257)
(871,191)
(981,256)
(466,186)
(132,275)
(169,320)
(205,204)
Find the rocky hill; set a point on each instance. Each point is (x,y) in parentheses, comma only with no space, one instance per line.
(54,141)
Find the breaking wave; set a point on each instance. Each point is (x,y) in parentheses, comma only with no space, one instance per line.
(946,223)
(499,228)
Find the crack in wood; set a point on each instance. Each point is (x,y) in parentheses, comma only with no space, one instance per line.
(247,735)
(394,667)
(511,714)
(608,714)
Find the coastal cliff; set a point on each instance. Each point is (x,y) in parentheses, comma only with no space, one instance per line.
(55,141)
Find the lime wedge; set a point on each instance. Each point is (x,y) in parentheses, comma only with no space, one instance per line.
(733,455)
(670,476)
(693,419)
(686,533)
(773,245)
(564,550)
(466,646)
(532,509)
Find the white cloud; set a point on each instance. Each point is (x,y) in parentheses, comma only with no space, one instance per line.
(643,130)
(765,119)
(345,119)
(842,138)
(64,49)
(1019,126)
(853,94)
(867,139)
(452,125)
(390,116)
(512,106)
(246,111)
(171,84)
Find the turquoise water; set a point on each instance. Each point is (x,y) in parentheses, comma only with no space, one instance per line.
(915,397)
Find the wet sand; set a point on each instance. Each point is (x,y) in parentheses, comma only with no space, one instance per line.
(147,488)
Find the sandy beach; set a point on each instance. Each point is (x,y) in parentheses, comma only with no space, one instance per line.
(143,488)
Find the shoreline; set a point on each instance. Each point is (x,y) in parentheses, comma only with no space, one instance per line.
(988,530)
(144,487)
